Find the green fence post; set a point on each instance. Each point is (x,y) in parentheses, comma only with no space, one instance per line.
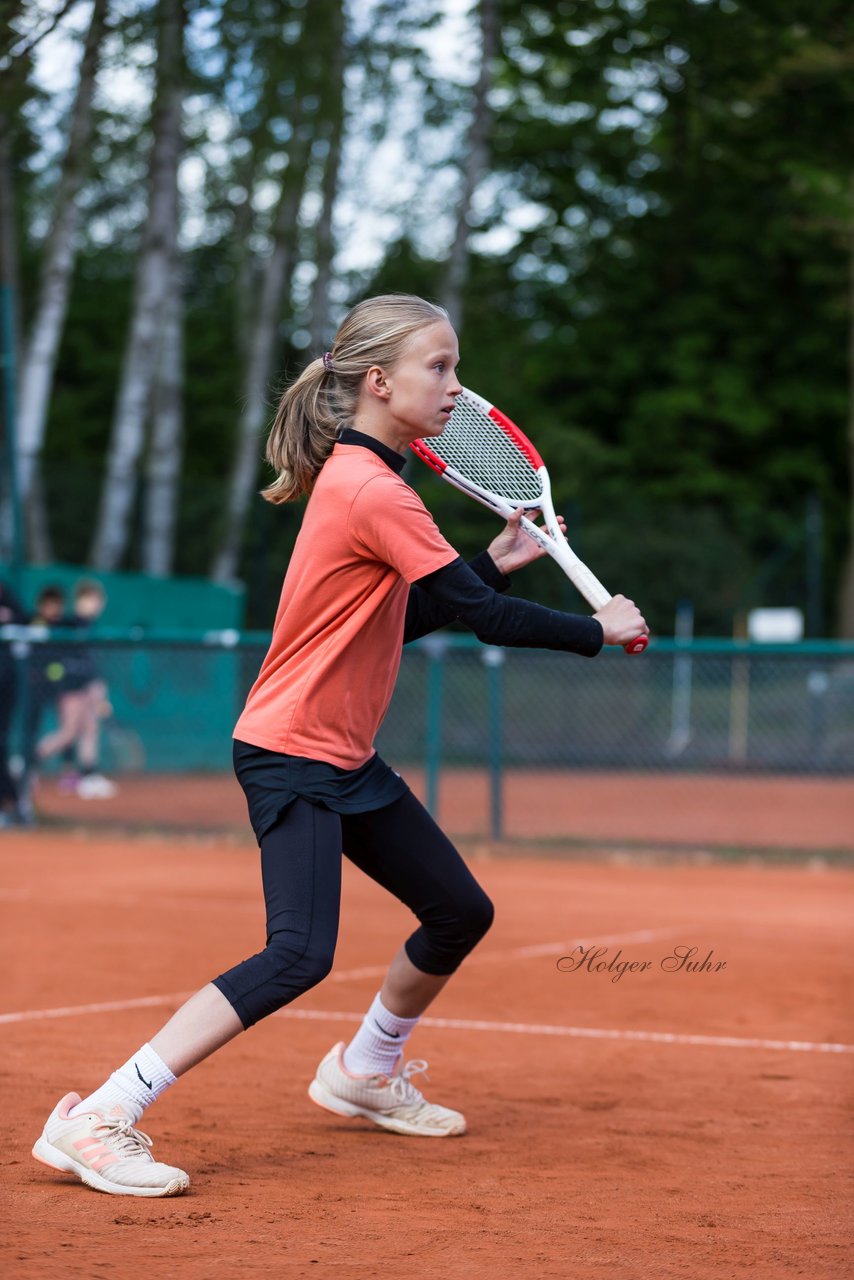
(493,660)
(680,698)
(739,693)
(20,645)
(818,686)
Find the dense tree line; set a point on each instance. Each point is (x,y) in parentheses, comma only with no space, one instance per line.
(637,211)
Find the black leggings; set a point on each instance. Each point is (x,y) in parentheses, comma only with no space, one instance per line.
(399,846)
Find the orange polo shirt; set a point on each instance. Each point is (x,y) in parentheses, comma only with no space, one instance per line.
(326,682)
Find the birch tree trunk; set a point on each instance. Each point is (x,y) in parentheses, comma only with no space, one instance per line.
(39,358)
(275,287)
(10,319)
(11,339)
(9,274)
(245,276)
(324,240)
(163,470)
(151,290)
(36,522)
(474,166)
(317,51)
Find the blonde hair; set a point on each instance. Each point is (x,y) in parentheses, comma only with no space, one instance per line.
(323,399)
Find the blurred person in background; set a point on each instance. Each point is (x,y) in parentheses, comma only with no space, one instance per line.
(82,702)
(46,667)
(45,671)
(12,812)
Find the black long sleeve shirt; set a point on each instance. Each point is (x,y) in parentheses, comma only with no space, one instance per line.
(472,594)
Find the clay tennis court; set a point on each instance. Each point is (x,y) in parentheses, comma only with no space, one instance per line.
(690,1124)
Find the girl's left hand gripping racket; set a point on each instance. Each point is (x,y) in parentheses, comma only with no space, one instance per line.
(485,455)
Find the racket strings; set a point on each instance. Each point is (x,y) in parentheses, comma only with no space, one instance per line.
(481,451)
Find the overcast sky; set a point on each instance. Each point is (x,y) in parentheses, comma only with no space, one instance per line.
(365,215)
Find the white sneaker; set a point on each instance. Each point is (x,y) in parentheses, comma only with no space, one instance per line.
(393,1102)
(105,1152)
(94,786)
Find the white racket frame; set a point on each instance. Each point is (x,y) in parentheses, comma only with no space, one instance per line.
(551,538)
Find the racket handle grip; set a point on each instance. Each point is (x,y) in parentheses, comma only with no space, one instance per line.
(637,645)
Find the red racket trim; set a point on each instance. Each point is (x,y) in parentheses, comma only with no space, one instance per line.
(427,455)
(517,436)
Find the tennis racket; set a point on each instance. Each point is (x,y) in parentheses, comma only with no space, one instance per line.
(484,454)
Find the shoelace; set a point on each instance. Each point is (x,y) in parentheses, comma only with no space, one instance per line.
(402,1087)
(123,1138)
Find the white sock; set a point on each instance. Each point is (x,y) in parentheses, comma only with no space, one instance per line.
(133,1087)
(377,1044)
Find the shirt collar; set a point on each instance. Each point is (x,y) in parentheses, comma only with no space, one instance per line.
(349,435)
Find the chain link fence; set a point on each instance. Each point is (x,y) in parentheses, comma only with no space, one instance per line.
(704,706)
(708,705)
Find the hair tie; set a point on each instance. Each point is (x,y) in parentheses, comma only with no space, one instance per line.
(327,361)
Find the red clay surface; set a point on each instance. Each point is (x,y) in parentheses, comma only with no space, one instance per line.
(586,1156)
(687,810)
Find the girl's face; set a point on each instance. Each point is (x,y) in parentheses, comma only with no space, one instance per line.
(421,390)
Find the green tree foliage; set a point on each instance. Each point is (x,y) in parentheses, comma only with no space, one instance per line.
(658,294)
(679,309)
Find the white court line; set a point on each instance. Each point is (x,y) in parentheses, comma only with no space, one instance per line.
(581,1033)
(464,1024)
(471,1024)
(109,1006)
(346,975)
(644,1037)
(564,948)
(524,953)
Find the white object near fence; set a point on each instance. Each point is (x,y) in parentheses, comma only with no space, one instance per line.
(775,626)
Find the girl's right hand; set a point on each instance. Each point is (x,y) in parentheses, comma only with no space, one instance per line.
(622,621)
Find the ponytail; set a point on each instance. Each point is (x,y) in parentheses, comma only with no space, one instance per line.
(302,436)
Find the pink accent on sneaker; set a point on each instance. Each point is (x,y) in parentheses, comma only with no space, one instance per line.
(68,1102)
(105,1157)
(93,1151)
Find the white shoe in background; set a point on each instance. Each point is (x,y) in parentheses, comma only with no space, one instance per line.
(94,786)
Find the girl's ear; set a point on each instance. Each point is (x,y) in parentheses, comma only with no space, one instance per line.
(377,382)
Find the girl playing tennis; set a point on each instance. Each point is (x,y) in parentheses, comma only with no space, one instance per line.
(370,571)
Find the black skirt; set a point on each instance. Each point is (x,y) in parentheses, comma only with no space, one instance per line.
(271,781)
